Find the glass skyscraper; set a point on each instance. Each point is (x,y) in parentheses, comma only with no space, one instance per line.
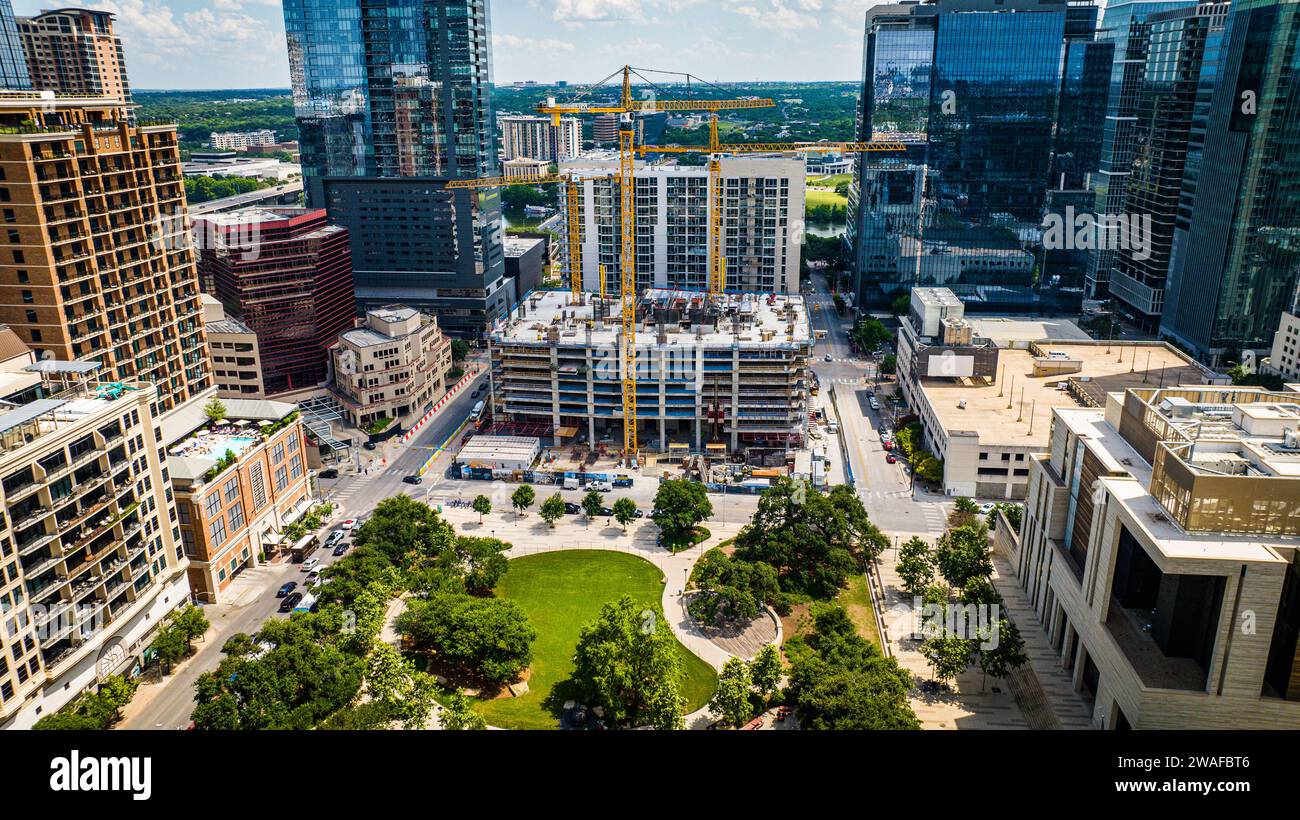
(1123,25)
(974,86)
(1236,248)
(1178,44)
(13,64)
(392,98)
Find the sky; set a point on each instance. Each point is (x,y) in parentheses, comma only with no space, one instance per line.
(197,44)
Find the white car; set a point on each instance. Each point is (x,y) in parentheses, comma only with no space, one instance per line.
(986,507)
(600,487)
(347,523)
(310,564)
(334,537)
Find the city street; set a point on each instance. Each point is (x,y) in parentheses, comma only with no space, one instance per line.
(883,487)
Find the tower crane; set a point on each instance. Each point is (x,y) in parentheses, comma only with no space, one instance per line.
(625,108)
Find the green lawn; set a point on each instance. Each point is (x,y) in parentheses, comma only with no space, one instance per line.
(562,592)
(815,198)
(856,600)
(831,181)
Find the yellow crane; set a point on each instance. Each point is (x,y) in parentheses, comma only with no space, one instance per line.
(715,149)
(625,108)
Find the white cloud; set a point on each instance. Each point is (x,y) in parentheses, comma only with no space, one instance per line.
(779,15)
(510,42)
(598,11)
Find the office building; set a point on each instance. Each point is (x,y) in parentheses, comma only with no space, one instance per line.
(241,140)
(763,201)
(973,88)
(1178,43)
(13,62)
(1158,551)
(411,241)
(75,52)
(605,128)
(385,112)
(730,373)
(391,369)
(239,481)
(525,262)
(236,362)
(89,537)
(1284,360)
(535,138)
(286,275)
(984,388)
(1124,26)
(233,164)
(96,260)
(523,168)
(1232,273)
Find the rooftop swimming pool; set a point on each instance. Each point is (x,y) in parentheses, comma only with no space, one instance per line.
(214,445)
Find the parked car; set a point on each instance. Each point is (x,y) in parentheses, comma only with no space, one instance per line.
(986,507)
(290,602)
(414,478)
(335,536)
(340,549)
(313,576)
(571,509)
(600,487)
(640,513)
(369,445)
(310,564)
(478,391)
(605,511)
(330,473)
(623,482)
(347,523)
(891,458)
(285,589)
(889,445)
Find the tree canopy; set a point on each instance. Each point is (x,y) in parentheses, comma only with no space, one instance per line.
(627,661)
(680,506)
(488,639)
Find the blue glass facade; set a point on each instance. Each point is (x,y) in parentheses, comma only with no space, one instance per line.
(392,97)
(978,84)
(1236,260)
(13,64)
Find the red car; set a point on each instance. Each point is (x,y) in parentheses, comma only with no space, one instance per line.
(891,458)
(889,445)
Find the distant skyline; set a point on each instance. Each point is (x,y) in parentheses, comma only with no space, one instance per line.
(222,44)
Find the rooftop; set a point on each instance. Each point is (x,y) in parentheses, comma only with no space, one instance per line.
(1017,410)
(193,455)
(1007,330)
(685,317)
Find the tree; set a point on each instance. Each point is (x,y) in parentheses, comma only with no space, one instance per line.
(814,540)
(523,498)
(889,365)
(731,699)
(765,671)
(729,587)
(965,505)
(627,661)
(624,512)
(487,638)
(191,623)
(459,350)
(870,333)
(592,503)
(482,505)
(458,714)
(405,529)
(96,710)
(948,655)
(915,565)
(553,509)
(1013,512)
(1007,653)
(480,561)
(214,410)
(303,678)
(170,646)
(407,695)
(680,506)
(962,553)
(901,305)
(845,682)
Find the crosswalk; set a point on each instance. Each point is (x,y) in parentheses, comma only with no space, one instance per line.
(358,484)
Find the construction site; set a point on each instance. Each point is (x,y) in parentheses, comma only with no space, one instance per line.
(726,375)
